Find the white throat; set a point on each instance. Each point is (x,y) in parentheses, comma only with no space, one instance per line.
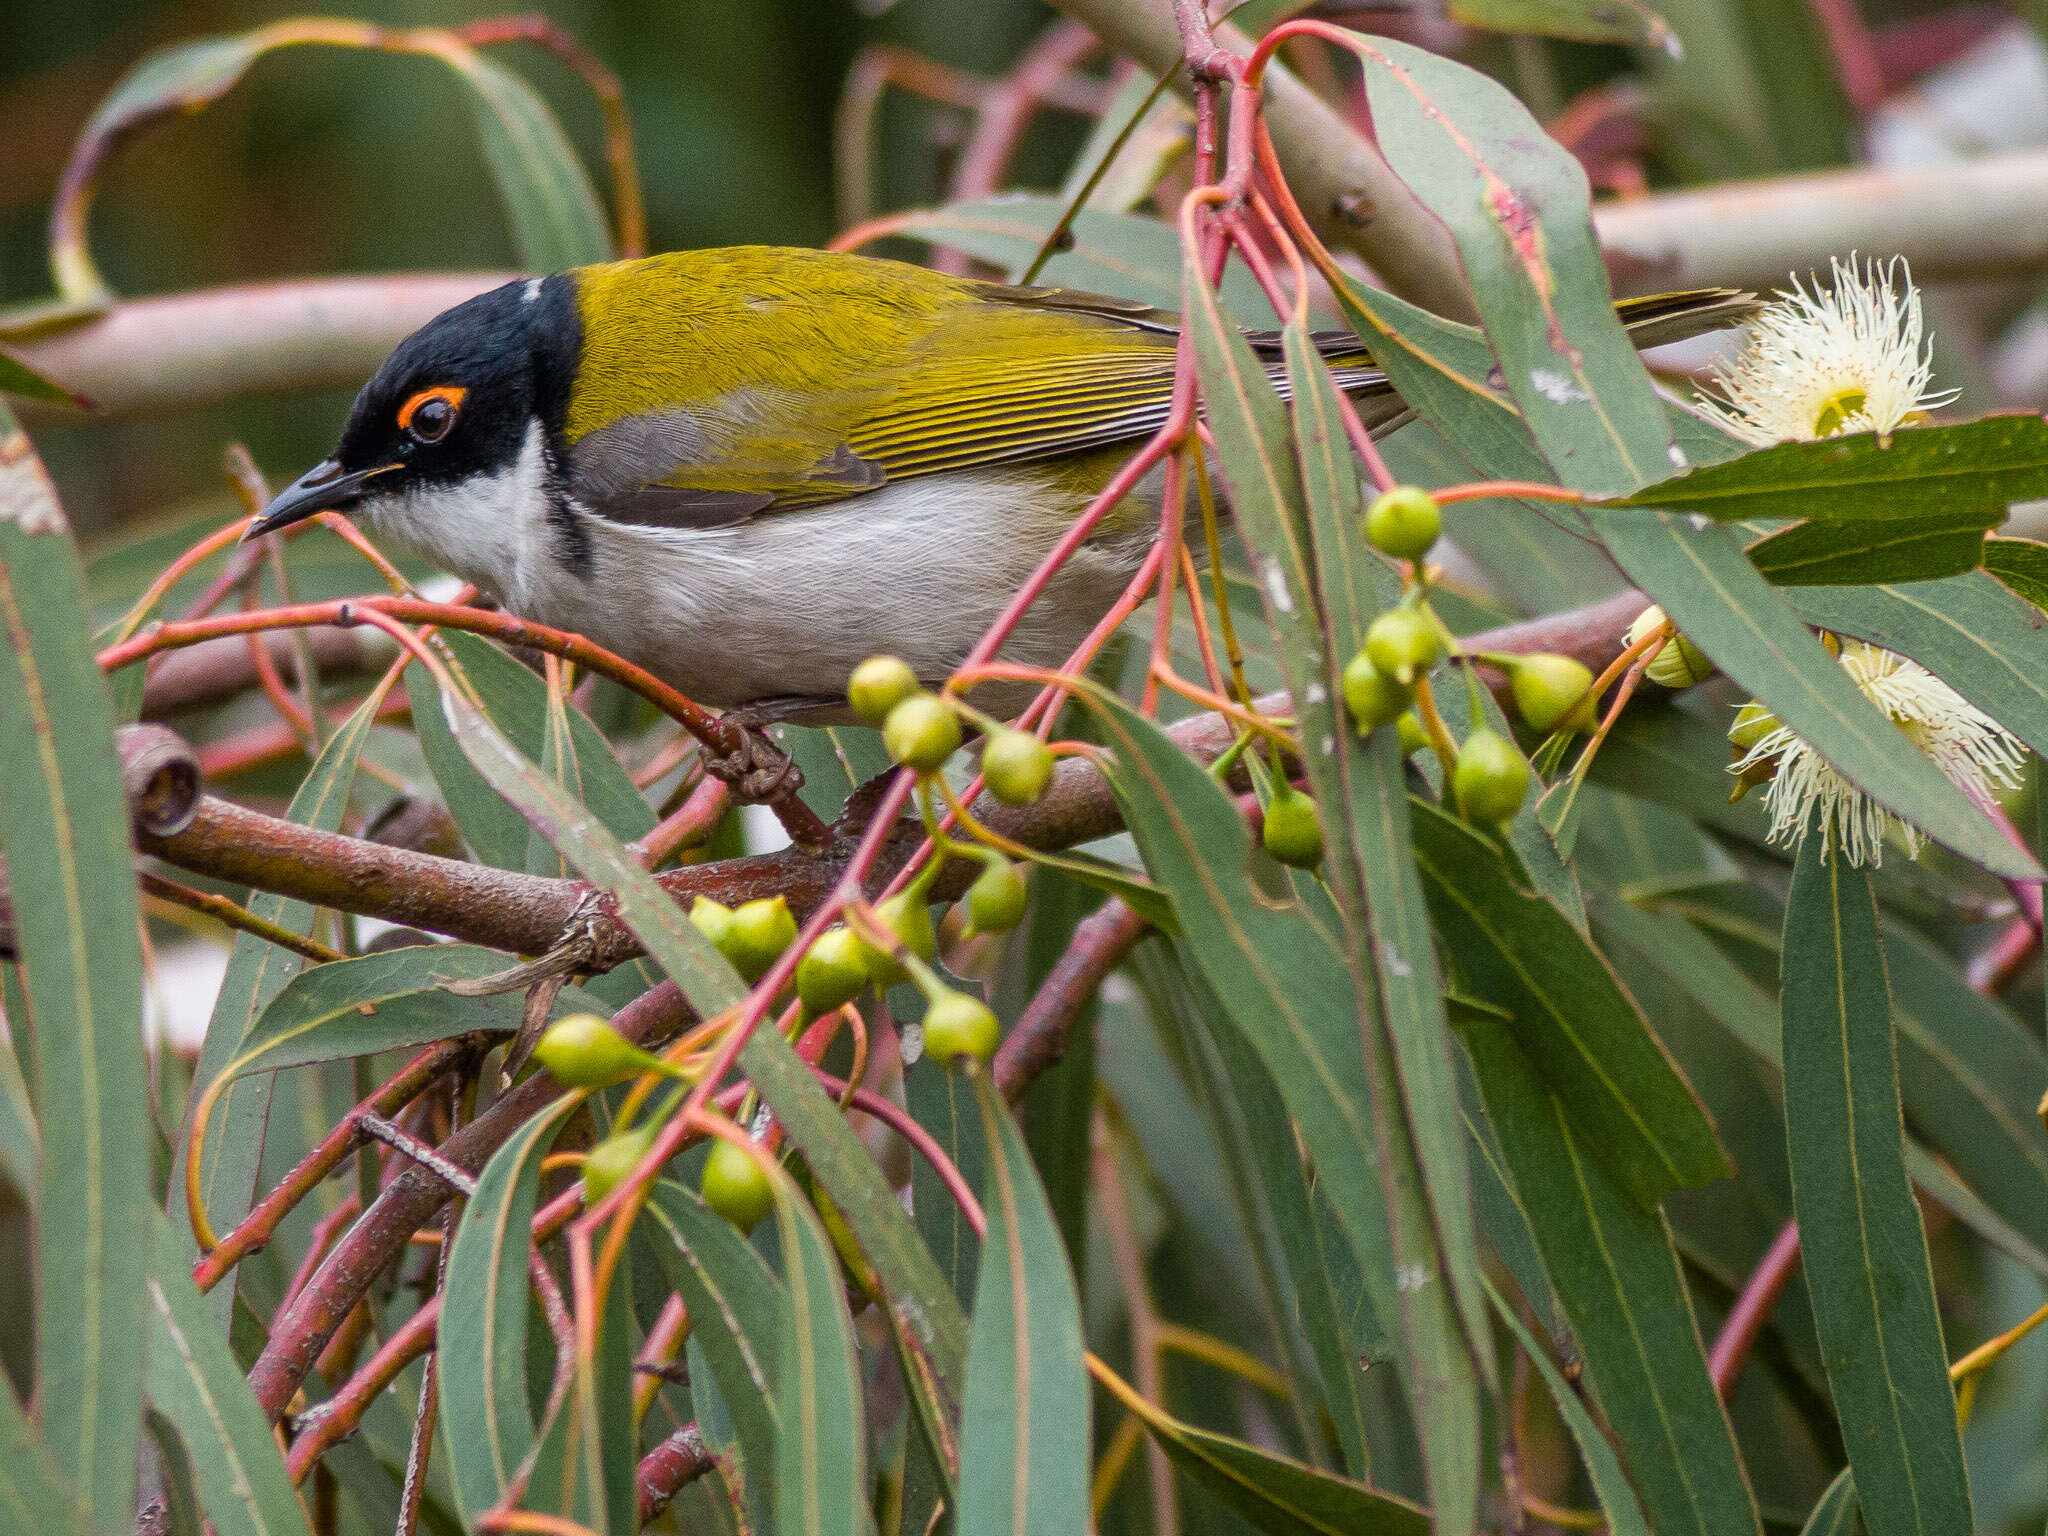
(487,529)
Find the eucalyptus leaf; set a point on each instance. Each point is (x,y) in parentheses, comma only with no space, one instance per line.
(1860,1239)
(64,833)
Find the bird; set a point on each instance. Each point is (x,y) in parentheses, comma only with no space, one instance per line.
(748,469)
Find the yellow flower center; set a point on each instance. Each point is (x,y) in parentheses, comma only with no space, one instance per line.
(1835,411)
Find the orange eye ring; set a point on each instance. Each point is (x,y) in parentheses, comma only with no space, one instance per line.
(431,430)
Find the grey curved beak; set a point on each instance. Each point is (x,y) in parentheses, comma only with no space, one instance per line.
(325,485)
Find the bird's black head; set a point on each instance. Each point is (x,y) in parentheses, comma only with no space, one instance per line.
(456,400)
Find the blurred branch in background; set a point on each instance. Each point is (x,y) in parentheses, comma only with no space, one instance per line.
(1975,219)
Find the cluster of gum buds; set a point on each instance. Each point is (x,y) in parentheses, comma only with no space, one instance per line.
(893,941)
(1387,682)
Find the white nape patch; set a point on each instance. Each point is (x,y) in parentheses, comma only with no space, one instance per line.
(485,529)
(531,293)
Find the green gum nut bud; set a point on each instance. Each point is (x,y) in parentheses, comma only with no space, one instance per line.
(958,1025)
(1677,663)
(1404,522)
(580,1050)
(878,685)
(921,733)
(1403,644)
(1413,737)
(757,935)
(613,1158)
(1372,697)
(711,918)
(906,916)
(735,1187)
(1753,722)
(996,899)
(1553,691)
(832,971)
(1293,831)
(1491,780)
(1016,765)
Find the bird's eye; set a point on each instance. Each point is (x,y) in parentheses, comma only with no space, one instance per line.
(429,415)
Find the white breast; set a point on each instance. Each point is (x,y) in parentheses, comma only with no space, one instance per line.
(787,604)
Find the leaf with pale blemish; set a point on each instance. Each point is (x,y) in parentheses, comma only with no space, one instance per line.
(1517,204)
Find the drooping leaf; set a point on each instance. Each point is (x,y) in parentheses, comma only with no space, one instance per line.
(1390,926)
(1861,1244)
(553,211)
(489,1428)
(1341,1331)
(555,216)
(736,1307)
(1623,1509)
(257,971)
(1283,984)
(1626,1099)
(1965,473)
(1618,1281)
(821,1484)
(381,1002)
(32,1492)
(64,833)
(196,1382)
(1717,598)
(516,699)
(923,1312)
(1024,1451)
(1517,204)
(1821,554)
(1271,472)
(1278,1495)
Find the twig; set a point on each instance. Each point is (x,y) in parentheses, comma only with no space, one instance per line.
(462,1179)
(664,1471)
(1145,1350)
(1100,943)
(298,1331)
(1752,1309)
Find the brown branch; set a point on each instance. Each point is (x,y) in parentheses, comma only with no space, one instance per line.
(664,1471)
(146,356)
(329,869)
(303,1326)
(1039,1039)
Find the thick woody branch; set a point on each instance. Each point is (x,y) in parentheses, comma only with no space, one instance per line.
(1977,218)
(530,914)
(180,350)
(1980,218)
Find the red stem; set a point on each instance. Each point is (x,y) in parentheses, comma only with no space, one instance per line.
(1752,1310)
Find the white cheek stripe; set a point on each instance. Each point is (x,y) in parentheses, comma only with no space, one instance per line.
(485,529)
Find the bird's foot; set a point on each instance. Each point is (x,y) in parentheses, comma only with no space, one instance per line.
(755,768)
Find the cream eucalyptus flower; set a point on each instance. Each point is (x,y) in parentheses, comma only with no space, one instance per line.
(1852,357)
(1979,756)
